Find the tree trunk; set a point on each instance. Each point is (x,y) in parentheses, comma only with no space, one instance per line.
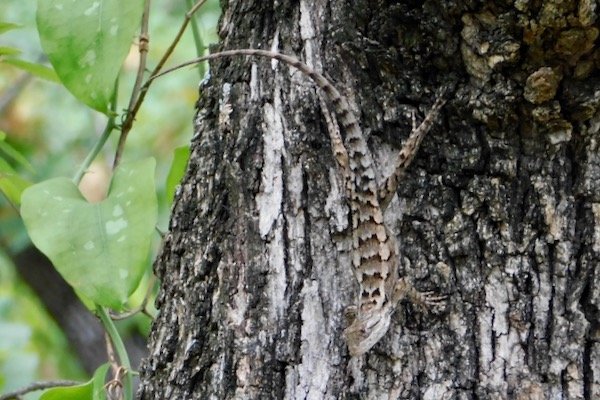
(499,211)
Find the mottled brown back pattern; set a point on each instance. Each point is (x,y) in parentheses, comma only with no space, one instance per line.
(374,249)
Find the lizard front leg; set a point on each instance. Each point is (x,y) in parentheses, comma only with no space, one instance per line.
(407,154)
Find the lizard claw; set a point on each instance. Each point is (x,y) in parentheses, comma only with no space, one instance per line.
(424,300)
(432,300)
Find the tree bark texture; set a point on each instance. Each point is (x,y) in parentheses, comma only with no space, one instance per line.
(499,211)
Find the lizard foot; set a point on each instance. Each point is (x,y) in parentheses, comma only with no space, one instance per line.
(424,300)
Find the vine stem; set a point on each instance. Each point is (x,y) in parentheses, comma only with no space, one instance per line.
(131,113)
(144,46)
(110,125)
(110,327)
(37,386)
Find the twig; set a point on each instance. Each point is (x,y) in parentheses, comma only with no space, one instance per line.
(114,388)
(119,347)
(37,386)
(143,47)
(141,307)
(131,113)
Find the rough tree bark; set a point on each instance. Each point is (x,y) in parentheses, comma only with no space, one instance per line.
(504,192)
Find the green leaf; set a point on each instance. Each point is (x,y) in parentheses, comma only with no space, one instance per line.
(98,380)
(12,152)
(91,390)
(177,171)
(101,248)
(41,71)
(7,26)
(79,392)
(13,187)
(87,41)
(8,51)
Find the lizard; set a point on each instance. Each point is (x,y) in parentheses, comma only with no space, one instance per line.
(375,255)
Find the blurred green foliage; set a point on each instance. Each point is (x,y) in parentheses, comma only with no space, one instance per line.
(32,346)
(54,132)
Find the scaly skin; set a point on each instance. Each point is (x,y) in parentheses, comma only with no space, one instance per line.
(374,248)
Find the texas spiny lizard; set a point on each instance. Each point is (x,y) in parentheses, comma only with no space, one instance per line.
(375,255)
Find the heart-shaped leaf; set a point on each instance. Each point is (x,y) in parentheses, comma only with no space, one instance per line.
(101,248)
(87,41)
